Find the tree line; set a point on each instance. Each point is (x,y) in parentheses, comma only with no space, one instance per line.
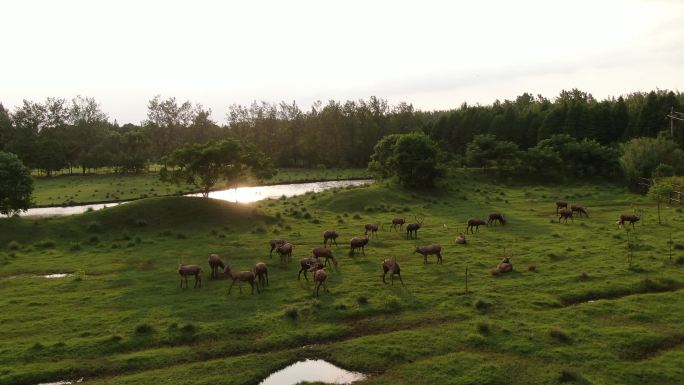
(77,135)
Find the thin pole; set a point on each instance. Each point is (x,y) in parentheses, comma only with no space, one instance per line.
(466,278)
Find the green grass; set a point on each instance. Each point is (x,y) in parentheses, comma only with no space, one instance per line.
(122,319)
(75,189)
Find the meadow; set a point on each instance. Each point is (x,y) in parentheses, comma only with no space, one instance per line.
(121,318)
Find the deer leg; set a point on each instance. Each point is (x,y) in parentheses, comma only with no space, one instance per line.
(383,276)
(240,286)
(231,287)
(439,258)
(266,279)
(400,280)
(424,258)
(363,250)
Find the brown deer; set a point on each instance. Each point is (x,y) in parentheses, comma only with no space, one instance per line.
(430,250)
(371,228)
(261,272)
(358,243)
(461,239)
(579,210)
(565,213)
(275,243)
(185,270)
(330,235)
(505,265)
(307,264)
(320,276)
(412,228)
(214,263)
(392,266)
(285,252)
(631,218)
(475,223)
(398,222)
(561,205)
(239,277)
(496,217)
(322,252)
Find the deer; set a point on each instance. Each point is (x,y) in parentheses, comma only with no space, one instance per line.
(185,270)
(285,251)
(215,262)
(372,228)
(475,223)
(319,278)
(398,222)
(631,218)
(307,264)
(561,205)
(330,235)
(322,252)
(579,210)
(392,266)
(494,217)
(412,228)
(275,243)
(239,277)
(358,243)
(565,213)
(430,250)
(505,265)
(461,239)
(261,272)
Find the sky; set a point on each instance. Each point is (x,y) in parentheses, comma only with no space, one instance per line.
(433,54)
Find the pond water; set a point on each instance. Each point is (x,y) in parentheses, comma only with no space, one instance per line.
(238,195)
(62,382)
(312,371)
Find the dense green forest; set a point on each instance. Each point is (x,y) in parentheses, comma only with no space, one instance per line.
(58,134)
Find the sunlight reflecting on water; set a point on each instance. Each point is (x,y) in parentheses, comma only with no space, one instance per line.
(312,371)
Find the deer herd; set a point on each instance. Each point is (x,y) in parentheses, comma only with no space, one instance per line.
(321,257)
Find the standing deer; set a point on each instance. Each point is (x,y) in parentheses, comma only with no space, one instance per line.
(185,270)
(358,243)
(261,272)
(322,252)
(307,264)
(494,217)
(285,252)
(631,218)
(475,223)
(330,235)
(239,277)
(398,222)
(214,263)
(412,228)
(430,250)
(579,210)
(372,228)
(561,205)
(565,213)
(392,266)
(319,278)
(275,243)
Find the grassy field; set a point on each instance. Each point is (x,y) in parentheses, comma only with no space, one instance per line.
(122,319)
(76,189)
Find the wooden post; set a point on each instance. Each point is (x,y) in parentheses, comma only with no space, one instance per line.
(466,279)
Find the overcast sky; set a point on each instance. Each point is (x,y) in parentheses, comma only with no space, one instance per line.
(434,54)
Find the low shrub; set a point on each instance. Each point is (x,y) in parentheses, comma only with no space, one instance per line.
(292,313)
(94,227)
(144,329)
(13,245)
(559,335)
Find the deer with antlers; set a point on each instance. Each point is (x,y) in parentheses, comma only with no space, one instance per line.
(430,250)
(392,266)
(330,235)
(239,277)
(496,217)
(186,270)
(565,213)
(412,228)
(475,223)
(561,205)
(215,262)
(322,252)
(371,228)
(580,210)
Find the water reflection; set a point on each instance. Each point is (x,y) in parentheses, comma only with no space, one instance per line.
(312,371)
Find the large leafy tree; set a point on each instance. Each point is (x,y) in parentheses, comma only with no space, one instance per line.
(486,151)
(16,184)
(641,156)
(413,158)
(204,165)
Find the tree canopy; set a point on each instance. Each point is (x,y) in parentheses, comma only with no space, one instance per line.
(413,158)
(16,184)
(641,156)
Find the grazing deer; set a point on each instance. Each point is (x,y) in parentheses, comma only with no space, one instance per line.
(476,223)
(430,250)
(330,235)
(561,205)
(261,272)
(372,228)
(494,217)
(461,239)
(239,277)
(285,252)
(398,222)
(565,213)
(275,243)
(412,228)
(631,218)
(319,278)
(214,263)
(307,264)
(358,243)
(392,266)
(322,252)
(185,270)
(579,210)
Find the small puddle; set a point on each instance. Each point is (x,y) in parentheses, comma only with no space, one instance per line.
(312,371)
(63,382)
(60,275)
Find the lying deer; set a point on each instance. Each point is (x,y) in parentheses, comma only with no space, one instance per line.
(631,218)
(461,239)
(371,228)
(392,266)
(475,223)
(261,272)
(322,252)
(275,243)
(494,217)
(330,235)
(307,264)
(358,243)
(185,270)
(214,263)
(579,210)
(430,250)
(398,222)
(561,205)
(239,277)
(565,213)
(285,252)
(412,228)
(505,265)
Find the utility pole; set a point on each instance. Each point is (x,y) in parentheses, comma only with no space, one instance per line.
(674,115)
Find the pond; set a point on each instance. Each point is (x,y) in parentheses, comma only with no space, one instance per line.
(312,371)
(238,195)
